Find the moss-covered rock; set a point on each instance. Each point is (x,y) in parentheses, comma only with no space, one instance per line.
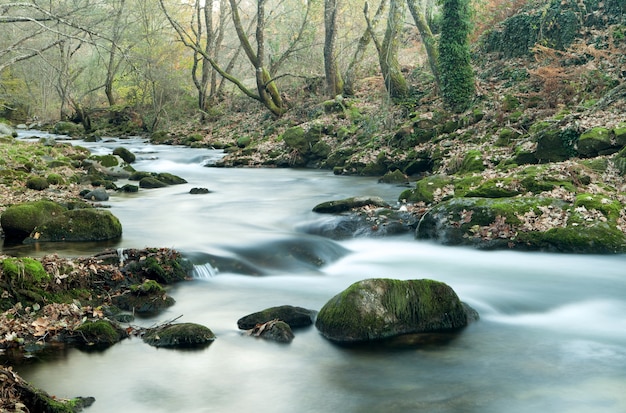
(531,223)
(377,309)
(18,221)
(609,208)
(89,224)
(395,177)
(67,128)
(495,188)
(150,182)
(25,270)
(343,205)
(554,144)
(275,330)
(472,162)
(594,142)
(148,297)
(620,161)
(620,134)
(107,161)
(100,333)
(38,183)
(294,316)
(170,179)
(295,139)
(426,189)
(164,268)
(126,155)
(182,335)
(55,179)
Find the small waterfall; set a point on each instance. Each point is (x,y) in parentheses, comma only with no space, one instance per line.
(204,271)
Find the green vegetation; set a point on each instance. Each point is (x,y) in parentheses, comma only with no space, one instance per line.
(456,73)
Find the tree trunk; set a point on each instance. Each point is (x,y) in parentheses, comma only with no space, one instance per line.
(364,41)
(334,83)
(267,89)
(421,22)
(388,56)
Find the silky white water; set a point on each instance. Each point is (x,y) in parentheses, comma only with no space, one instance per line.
(551,338)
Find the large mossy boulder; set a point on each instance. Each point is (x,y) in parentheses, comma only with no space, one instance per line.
(554,144)
(379,308)
(181,335)
(294,316)
(125,154)
(18,221)
(81,225)
(529,223)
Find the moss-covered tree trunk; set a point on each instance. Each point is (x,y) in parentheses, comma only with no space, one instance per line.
(456,74)
(388,54)
(421,22)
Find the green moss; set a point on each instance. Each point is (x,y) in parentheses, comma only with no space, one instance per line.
(610,208)
(107,161)
(494,188)
(100,332)
(170,179)
(151,182)
(375,309)
(243,141)
(600,238)
(87,224)
(126,155)
(25,269)
(18,221)
(425,189)
(147,287)
(594,141)
(55,179)
(38,183)
(183,335)
(472,162)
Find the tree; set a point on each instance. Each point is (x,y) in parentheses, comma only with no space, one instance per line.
(202,27)
(388,50)
(266,89)
(364,41)
(456,75)
(419,14)
(334,83)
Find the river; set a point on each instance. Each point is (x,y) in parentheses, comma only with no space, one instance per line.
(551,338)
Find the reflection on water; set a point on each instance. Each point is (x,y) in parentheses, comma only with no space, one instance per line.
(551,337)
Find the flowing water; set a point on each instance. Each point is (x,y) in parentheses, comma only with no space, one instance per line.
(551,338)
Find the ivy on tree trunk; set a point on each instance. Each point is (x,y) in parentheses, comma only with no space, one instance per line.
(455,70)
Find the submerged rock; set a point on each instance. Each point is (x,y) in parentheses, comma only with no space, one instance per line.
(343,205)
(275,330)
(294,316)
(377,309)
(182,335)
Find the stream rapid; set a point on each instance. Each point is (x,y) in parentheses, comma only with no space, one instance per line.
(551,337)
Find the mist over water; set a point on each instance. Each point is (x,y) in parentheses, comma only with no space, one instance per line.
(551,338)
